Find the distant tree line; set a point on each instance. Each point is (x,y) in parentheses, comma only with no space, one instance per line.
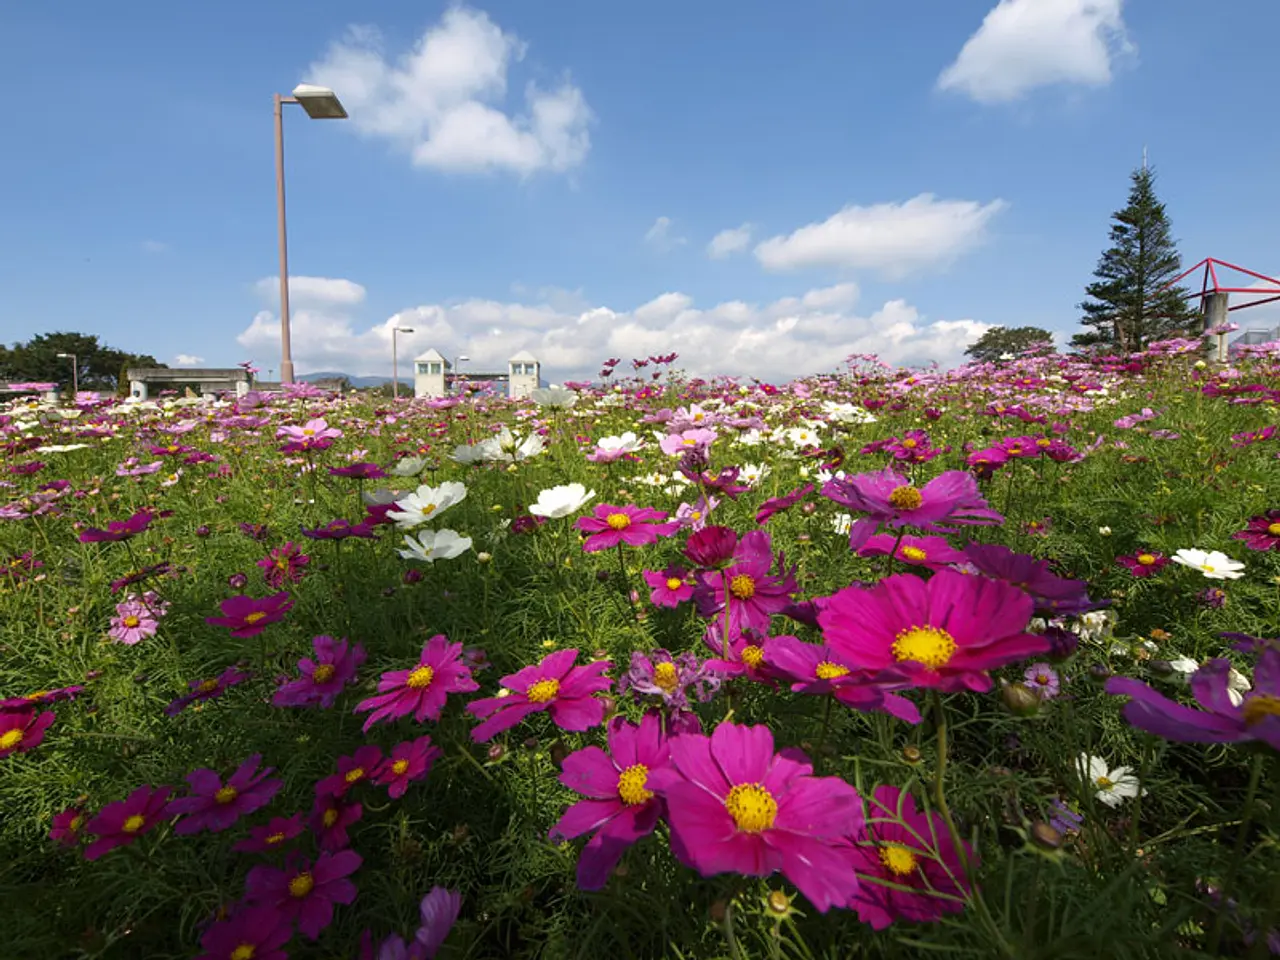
(100,367)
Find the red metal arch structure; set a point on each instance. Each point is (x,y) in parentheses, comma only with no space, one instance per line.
(1210,285)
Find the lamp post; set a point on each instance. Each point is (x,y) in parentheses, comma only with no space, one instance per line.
(395,364)
(320,103)
(457,366)
(75,373)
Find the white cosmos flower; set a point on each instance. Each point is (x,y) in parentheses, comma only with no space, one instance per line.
(1237,685)
(752,473)
(627,443)
(1112,787)
(62,448)
(554,396)
(506,447)
(1184,665)
(561,501)
(408,467)
(803,437)
(380,496)
(432,545)
(841,522)
(846,413)
(751,438)
(426,503)
(468,453)
(1214,564)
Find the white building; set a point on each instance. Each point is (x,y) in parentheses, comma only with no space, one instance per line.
(523,375)
(432,374)
(430,371)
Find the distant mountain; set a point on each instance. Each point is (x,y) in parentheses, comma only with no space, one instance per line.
(359,382)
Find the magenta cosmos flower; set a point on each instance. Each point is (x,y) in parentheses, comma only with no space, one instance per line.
(305,891)
(931,552)
(1143,563)
(1261,533)
(409,761)
(214,805)
(669,587)
(659,674)
(421,691)
(330,818)
(735,806)
(68,826)
(254,933)
(753,594)
(270,835)
(1256,718)
(248,616)
(555,685)
(897,848)
(944,633)
(634,526)
(1050,592)
(620,808)
(119,824)
(201,690)
(284,565)
(321,679)
(22,730)
(817,670)
(361,765)
(118,530)
(949,500)
(785,502)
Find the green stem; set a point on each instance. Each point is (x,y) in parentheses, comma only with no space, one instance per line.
(735,951)
(1237,853)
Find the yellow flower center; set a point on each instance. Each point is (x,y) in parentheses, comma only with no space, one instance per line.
(930,646)
(131,621)
(752,656)
(10,739)
(752,807)
(1105,783)
(696,515)
(1147,559)
(1015,449)
(905,498)
(897,859)
(208,686)
(226,794)
(254,617)
(76,823)
(1042,442)
(273,839)
(827,670)
(914,553)
(674,583)
(301,885)
(245,951)
(330,817)
(631,785)
(1274,529)
(322,673)
(618,521)
(308,432)
(1259,706)
(420,678)
(666,676)
(134,824)
(742,587)
(543,690)
(399,767)
(354,775)
(689,442)
(909,443)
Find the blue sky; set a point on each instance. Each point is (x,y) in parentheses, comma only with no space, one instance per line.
(550,176)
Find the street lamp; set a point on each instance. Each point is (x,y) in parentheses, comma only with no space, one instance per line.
(75,373)
(321,103)
(457,366)
(395,365)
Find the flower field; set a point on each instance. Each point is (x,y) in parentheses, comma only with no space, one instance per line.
(885,664)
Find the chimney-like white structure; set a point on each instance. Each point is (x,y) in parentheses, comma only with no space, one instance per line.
(522,375)
(429,370)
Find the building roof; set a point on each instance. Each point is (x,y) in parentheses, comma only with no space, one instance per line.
(432,354)
(524,356)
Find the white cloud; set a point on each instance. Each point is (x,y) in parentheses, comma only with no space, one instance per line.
(808,333)
(1025,44)
(726,242)
(442,101)
(187,360)
(154,246)
(311,290)
(660,237)
(894,239)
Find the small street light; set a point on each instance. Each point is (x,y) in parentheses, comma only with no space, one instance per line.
(75,373)
(457,366)
(395,364)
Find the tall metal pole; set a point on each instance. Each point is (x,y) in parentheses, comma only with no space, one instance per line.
(75,377)
(286,350)
(395,368)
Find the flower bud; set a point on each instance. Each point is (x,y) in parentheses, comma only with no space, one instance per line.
(1046,836)
(1020,699)
(911,754)
(1099,672)
(496,752)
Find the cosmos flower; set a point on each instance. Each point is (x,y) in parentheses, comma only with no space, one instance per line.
(946,633)
(561,501)
(619,809)
(284,565)
(609,449)
(1143,563)
(422,690)
(68,826)
(304,891)
(1213,564)
(554,685)
(270,835)
(613,525)
(118,530)
(817,670)
(201,690)
(1052,594)
(321,679)
(358,767)
(752,593)
(949,500)
(668,588)
(407,762)
(1261,533)
(1111,787)
(341,530)
(22,730)
(121,823)
(1043,679)
(438,912)
(711,547)
(934,553)
(432,545)
(785,502)
(736,806)
(426,503)
(249,616)
(253,933)
(330,818)
(671,678)
(215,806)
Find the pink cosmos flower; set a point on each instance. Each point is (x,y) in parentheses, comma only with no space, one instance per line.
(438,912)
(408,761)
(121,823)
(634,526)
(330,818)
(248,617)
(284,565)
(421,691)
(68,826)
(254,933)
(735,806)
(553,685)
(323,678)
(134,622)
(753,594)
(668,588)
(711,547)
(206,690)
(784,502)
(22,730)
(361,765)
(1262,532)
(898,848)
(215,806)
(270,835)
(949,500)
(694,516)
(696,440)
(817,670)
(933,553)
(659,674)
(305,891)
(1143,563)
(311,431)
(118,530)
(944,633)
(619,809)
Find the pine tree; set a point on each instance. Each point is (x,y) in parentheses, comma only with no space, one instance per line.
(1128,305)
